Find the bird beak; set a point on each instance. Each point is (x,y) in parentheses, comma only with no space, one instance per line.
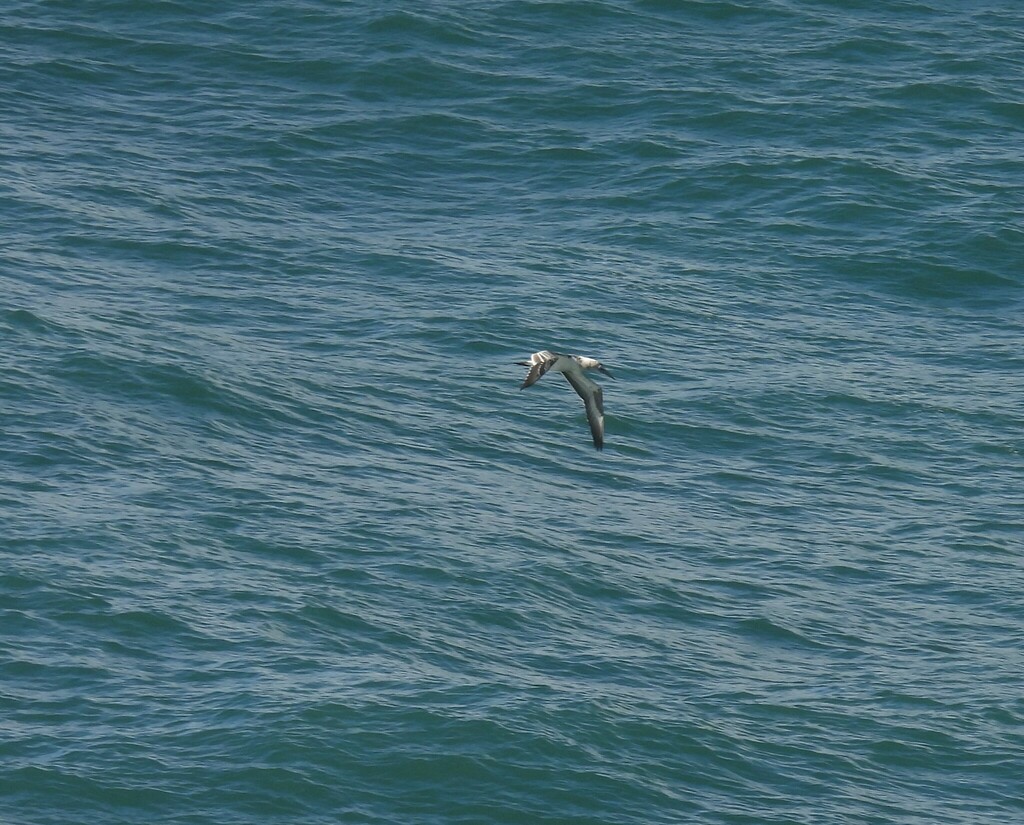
(602,369)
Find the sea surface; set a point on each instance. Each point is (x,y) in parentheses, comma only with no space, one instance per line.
(281,539)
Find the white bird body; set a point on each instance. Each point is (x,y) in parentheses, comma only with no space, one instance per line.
(572,367)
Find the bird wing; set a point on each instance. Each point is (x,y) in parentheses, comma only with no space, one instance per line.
(593,399)
(540,363)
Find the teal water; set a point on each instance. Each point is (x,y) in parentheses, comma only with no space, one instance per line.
(281,539)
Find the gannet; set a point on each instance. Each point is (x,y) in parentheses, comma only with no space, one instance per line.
(572,367)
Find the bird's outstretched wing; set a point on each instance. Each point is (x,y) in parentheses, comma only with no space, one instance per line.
(540,363)
(593,399)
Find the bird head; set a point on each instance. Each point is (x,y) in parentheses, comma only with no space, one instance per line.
(593,364)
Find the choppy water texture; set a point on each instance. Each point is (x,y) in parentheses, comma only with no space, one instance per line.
(282,541)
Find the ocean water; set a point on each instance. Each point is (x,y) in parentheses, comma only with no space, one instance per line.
(281,540)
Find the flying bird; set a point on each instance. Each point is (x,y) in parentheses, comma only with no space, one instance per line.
(572,367)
